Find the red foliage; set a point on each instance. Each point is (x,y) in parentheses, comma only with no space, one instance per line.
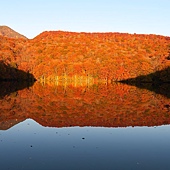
(106,56)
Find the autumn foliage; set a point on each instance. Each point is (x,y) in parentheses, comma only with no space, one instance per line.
(85,57)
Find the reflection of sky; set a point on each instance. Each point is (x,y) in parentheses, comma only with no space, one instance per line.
(31,146)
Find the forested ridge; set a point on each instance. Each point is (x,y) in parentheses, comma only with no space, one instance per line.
(84,57)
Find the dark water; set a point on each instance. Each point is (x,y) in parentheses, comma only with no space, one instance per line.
(99,127)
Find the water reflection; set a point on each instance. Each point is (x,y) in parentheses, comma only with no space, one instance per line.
(111,105)
(85,137)
(9,95)
(30,146)
(11,87)
(161,88)
(158,82)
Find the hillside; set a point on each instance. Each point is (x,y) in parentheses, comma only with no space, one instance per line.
(105,56)
(88,57)
(8,32)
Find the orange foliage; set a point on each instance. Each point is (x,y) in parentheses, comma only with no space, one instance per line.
(107,56)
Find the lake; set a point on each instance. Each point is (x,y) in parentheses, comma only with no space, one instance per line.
(89,127)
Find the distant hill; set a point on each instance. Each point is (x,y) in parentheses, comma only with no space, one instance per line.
(8,32)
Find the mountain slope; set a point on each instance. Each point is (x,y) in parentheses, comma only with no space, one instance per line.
(87,57)
(8,32)
(104,56)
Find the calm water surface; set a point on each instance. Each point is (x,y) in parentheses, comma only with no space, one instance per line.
(115,127)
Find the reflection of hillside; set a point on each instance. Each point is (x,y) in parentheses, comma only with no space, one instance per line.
(8,124)
(115,105)
(159,82)
(9,87)
(162,88)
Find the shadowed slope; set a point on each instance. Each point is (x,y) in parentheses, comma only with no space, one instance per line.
(12,79)
(10,72)
(159,82)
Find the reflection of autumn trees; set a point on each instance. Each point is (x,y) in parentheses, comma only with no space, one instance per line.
(59,56)
(111,105)
(78,60)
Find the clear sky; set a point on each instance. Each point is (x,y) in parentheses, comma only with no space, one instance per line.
(31,17)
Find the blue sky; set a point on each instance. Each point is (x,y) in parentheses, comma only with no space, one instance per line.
(31,17)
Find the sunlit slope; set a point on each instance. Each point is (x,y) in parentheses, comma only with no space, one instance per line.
(87,57)
(106,56)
